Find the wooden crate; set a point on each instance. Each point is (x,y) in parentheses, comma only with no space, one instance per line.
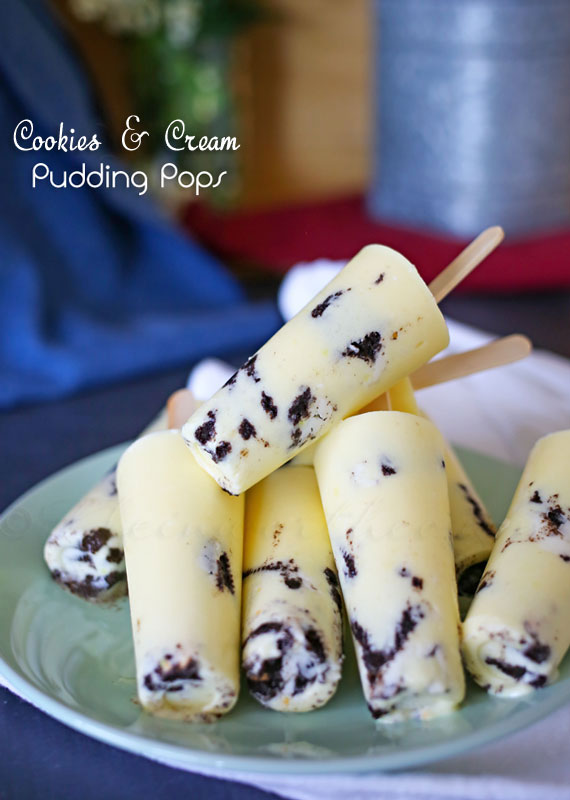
(303,83)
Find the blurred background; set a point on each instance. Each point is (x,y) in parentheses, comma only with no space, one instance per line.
(413,124)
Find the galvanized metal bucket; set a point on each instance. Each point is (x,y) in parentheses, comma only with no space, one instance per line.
(472,123)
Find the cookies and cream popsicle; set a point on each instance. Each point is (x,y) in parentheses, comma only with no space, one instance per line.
(471,524)
(382,481)
(373,324)
(84,552)
(518,627)
(291,620)
(183,552)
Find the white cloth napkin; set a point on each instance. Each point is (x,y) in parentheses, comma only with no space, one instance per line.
(501,413)
(504,411)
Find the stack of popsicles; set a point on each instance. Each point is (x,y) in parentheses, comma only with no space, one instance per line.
(312,476)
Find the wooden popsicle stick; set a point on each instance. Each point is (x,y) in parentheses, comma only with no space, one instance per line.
(466,261)
(380,403)
(495,354)
(181,405)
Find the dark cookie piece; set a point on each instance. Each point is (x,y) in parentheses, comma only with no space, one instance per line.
(299,408)
(86,588)
(375,660)
(477,511)
(182,672)
(555,518)
(350,570)
(224,577)
(206,432)
(512,670)
(115,577)
(94,540)
(287,570)
(332,581)
(388,469)
(380,278)
(268,682)
(319,310)
(408,621)
(468,581)
(231,381)
(115,555)
(273,566)
(290,578)
(221,451)
(268,405)
(250,370)
(168,679)
(564,557)
(83,588)
(265,627)
(246,429)
(366,348)
(417,583)
(296,436)
(265,680)
(377,713)
(537,652)
(301,683)
(536,498)
(315,645)
(552,521)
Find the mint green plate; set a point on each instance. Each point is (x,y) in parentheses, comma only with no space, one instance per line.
(75,661)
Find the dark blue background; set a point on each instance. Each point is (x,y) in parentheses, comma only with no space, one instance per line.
(95,284)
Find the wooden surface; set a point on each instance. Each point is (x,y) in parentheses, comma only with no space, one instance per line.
(304,101)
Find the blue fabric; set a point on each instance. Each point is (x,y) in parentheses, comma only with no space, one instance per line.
(94,284)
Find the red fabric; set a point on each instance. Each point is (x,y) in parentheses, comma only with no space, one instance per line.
(277,239)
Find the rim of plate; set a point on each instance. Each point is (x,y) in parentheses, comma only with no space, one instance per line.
(187,757)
